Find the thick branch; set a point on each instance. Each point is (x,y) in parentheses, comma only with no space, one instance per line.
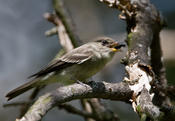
(160,98)
(143,23)
(116,91)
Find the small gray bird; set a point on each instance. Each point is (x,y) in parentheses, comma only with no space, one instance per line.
(77,65)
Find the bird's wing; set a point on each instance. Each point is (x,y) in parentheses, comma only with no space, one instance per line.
(76,56)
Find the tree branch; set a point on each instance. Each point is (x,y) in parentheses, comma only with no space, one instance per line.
(67,21)
(73,110)
(16,104)
(101,112)
(143,25)
(69,33)
(160,98)
(116,91)
(65,41)
(87,107)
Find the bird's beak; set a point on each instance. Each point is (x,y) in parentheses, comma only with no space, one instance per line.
(116,46)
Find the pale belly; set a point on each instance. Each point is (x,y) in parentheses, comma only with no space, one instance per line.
(77,72)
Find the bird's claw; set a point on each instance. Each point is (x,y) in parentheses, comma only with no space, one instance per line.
(81,83)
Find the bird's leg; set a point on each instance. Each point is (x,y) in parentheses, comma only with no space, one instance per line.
(90,80)
(79,82)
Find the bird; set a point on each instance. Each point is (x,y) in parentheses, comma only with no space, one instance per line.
(78,64)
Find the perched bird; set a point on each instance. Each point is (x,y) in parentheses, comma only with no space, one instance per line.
(77,65)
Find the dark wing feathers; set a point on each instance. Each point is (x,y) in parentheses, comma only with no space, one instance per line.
(76,56)
(51,68)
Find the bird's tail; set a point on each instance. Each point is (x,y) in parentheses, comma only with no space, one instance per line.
(21,89)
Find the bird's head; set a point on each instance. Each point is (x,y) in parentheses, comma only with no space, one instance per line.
(111,44)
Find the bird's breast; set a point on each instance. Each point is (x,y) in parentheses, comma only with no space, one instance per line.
(85,70)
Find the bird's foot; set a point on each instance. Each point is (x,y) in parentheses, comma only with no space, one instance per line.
(81,83)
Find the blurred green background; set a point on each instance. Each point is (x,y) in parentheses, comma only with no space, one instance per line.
(24,49)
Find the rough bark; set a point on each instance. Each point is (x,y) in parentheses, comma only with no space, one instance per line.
(145,71)
(117,91)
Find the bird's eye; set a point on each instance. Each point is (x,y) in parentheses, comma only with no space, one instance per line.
(104,42)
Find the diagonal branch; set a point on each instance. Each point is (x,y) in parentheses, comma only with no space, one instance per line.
(66,21)
(116,91)
(73,110)
(64,38)
(101,112)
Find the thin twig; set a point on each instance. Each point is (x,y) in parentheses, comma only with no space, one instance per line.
(66,20)
(16,104)
(101,112)
(87,107)
(73,110)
